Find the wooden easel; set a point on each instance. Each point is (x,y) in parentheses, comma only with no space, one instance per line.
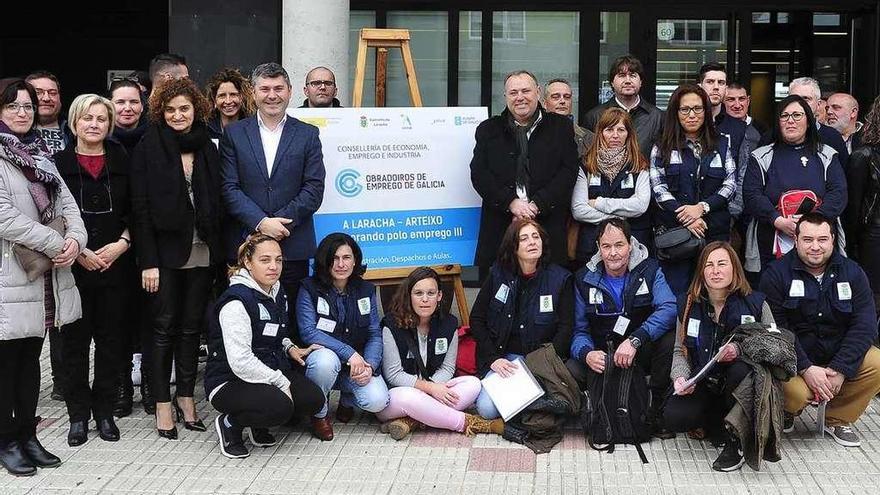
(448,273)
(382,40)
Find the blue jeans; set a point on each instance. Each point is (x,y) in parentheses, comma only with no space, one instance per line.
(485,407)
(322,368)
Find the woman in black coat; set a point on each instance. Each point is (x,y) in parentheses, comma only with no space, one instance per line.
(525,165)
(176,205)
(97,173)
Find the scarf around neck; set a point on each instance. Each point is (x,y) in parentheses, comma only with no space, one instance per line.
(611,161)
(521,133)
(23,153)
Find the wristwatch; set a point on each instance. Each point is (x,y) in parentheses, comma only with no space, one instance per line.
(635,341)
(705,206)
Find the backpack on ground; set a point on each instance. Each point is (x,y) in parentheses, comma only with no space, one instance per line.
(617,408)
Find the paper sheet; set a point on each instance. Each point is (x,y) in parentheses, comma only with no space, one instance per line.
(514,393)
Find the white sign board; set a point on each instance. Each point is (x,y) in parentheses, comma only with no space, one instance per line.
(398,181)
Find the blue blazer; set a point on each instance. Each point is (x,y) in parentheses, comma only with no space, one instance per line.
(294,190)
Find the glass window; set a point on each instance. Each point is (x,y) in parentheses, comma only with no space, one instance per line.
(357,20)
(826,19)
(429,44)
(540,42)
(613,43)
(679,58)
(469,58)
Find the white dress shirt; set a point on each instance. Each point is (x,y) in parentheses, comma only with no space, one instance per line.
(270,139)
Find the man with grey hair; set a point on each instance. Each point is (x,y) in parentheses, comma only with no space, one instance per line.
(843,116)
(524,167)
(273,181)
(558,99)
(808,89)
(320,89)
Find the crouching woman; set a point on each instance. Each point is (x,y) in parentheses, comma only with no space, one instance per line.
(248,377)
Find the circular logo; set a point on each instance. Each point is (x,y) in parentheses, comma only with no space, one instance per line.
(347,183)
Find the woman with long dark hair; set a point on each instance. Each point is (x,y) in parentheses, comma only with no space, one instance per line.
(176,205)
(793,175)
(421,346)
(336,309)
(693,177)
(613,182)
(525,302)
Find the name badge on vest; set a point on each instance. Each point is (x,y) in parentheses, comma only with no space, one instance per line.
(441,345)
(643,289)
(796,289)
(502,293)
(746,319)
(773,329)
(844,292)
(264,313)
(323,307)
(693,327)
(595,180)
(621,325)
(364,305)
(326,325)
(716,162)
(595,296)
(546,304)
(270,330)
(627,182)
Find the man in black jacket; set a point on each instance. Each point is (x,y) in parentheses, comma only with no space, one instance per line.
(524,166)
(825,300)
(625,76)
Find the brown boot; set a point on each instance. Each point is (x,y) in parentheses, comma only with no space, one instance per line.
(399,428)
(474,424)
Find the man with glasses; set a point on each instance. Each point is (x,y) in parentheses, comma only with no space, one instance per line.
(320,89)
(57,136)
(51,127)
(625,76)
(558,99)
(808,89)
(622,300)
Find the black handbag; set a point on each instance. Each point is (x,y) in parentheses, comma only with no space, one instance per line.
(677,244)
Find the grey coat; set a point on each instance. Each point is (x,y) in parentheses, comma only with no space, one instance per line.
(22,310)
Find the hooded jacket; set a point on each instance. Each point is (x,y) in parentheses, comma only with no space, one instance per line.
(647,301)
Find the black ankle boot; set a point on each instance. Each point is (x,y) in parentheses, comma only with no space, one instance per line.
(38,455)
(14,459)
(124,392)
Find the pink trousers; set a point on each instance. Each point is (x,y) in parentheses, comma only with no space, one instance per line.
(412,402)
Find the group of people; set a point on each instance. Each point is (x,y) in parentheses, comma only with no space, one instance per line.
(162,214)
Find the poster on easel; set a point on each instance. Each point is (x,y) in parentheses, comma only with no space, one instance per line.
(398,181)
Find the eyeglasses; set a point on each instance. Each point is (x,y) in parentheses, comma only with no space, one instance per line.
(95,198)
(318,84)
(431,294)
(51,92)
(15,107)
(698,110)
(795,116)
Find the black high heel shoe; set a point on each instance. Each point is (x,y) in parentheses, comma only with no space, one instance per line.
(196,425)
(169,434)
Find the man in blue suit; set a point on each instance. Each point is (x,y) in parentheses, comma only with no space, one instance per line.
(273,176)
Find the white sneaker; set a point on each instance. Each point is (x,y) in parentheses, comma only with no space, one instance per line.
(136,369)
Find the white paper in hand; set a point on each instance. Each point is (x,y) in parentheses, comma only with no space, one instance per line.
(514,393)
